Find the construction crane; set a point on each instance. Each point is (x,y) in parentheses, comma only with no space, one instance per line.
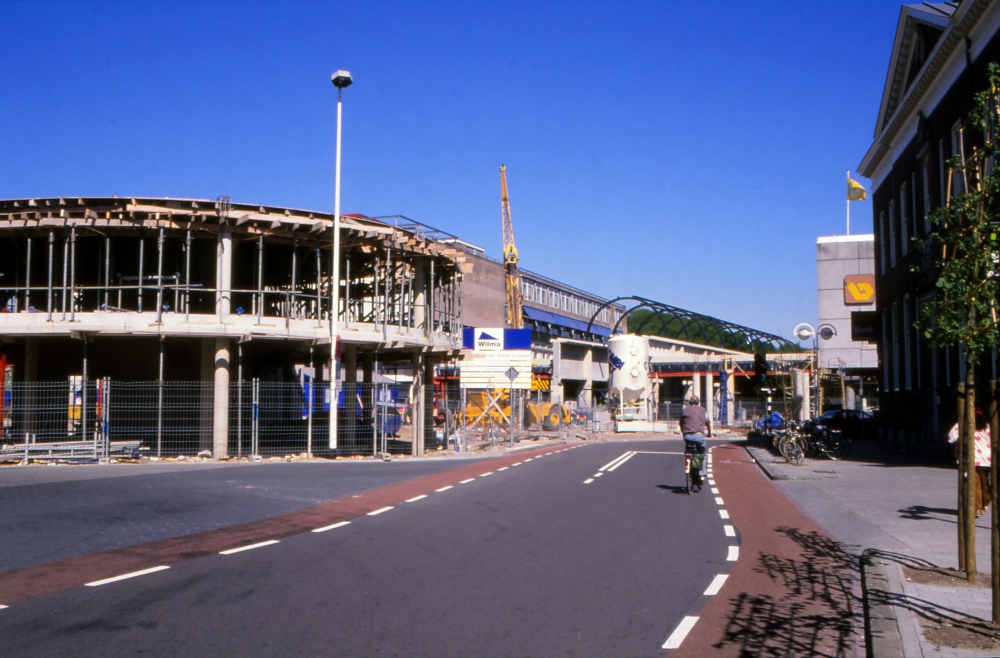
(512,276)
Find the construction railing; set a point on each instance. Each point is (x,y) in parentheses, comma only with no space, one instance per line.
(105,418)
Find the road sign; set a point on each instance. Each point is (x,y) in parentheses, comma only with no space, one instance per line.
(511,374)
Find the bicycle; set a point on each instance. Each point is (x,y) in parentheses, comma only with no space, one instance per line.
(692,466)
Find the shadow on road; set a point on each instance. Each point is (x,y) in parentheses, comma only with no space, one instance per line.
(677,490)
(817,612)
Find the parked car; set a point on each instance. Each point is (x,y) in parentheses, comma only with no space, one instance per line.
(854,424)
(766,423)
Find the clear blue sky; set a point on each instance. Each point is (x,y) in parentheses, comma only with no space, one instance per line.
(683,151)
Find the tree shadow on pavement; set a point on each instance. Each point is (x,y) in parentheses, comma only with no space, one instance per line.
(928,610)
(920,512)
(818,612)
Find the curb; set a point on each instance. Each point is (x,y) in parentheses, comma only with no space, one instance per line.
(882,637)
(770,468)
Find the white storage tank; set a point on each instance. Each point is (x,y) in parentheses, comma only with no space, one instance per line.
(628,365)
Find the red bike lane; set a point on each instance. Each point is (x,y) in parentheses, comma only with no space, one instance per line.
(793,590)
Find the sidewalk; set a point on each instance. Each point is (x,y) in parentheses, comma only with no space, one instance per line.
(899,517)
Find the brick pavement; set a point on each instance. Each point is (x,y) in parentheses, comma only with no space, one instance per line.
(906,511)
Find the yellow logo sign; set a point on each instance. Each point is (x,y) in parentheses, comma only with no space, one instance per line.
(859,289)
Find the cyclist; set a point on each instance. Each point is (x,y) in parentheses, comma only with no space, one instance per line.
(693,426)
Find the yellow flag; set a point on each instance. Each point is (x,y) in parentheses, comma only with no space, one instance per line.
(855,192)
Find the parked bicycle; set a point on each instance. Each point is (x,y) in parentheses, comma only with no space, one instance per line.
(795,443)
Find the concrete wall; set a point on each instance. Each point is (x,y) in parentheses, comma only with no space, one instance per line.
(837,257)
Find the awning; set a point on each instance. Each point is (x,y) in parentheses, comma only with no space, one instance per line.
(539,315)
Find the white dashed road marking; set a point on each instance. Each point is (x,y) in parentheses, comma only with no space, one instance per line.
(415,499)
(716,585)
(379,511)
(675,639)
(124,576)
(467,481)
(336,525)
(730,531)
(588,481)
(247,548)
(723,513)
(444,488)
(734,554)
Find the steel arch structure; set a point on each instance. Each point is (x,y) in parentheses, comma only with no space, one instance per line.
(681,324)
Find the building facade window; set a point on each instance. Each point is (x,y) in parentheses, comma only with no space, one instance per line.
(943,197)
(881,240)
(904,220)
(895,346)
(892,233)
(886,379)
(957,186)
(925,175)
(907,336)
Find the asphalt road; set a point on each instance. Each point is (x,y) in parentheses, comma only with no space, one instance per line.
(513,556)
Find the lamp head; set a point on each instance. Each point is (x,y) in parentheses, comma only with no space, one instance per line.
(341,79)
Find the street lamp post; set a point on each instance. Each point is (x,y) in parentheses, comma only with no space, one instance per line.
(805,331)
(341,80)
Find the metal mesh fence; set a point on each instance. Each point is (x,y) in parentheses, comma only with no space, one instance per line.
(104,418)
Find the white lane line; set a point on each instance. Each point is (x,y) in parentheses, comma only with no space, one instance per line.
(517,464)
(730,531)
(467,481)
(715,491)
(379,511)
(528,459)
(485,474)
(444,488)
(614,461)
(3,607)
(247,548)
(734,554)
(718,500)
(597,475)
(711,481)
(588,481)
(415,499)
(503,469)
(675,639)
(716,585)
(630,456)
(332,527)
(123,577)
(723,513)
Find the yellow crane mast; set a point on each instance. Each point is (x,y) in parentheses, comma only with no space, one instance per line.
(512,276)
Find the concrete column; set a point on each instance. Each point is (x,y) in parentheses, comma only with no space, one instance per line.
(224,275)
(417,403)
(428,432)
(708,401)
(730,398)
(30,376)
(368,370)
(220,415)
(206,414)
(419,296)
(556,384)
(800,394)
(30,359)
(588,374)
(696,386)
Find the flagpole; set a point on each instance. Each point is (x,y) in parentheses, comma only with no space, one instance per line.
(848,201)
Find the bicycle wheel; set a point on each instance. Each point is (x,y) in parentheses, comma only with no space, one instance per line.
(836,447)
(794,454)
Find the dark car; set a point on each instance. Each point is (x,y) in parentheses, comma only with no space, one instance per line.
(852,423)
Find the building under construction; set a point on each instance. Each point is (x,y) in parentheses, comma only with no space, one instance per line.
(215,297)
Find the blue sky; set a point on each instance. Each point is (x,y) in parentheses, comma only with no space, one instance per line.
(686,152)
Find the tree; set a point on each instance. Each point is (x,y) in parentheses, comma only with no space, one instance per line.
(963,310)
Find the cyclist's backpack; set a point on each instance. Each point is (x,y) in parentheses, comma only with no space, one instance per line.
(696,461)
